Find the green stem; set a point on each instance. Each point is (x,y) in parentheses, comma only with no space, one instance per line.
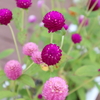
(52,4)
(18,54)
(28,92)
(51,38)
(71,46)
(81,86)
(62,41)
(28,67)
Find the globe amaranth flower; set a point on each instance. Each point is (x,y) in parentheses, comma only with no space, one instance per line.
(25,4)
(91,3)
(40,96)
(51,54)
(13,69)
(54,21)
(66,27)
(76,38)
(40,3)
(55,89)
(5,16)
(36,57)
(30,48)
(32,19)
(81,19)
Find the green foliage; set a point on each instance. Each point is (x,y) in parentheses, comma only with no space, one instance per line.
(27,80)
(6,53)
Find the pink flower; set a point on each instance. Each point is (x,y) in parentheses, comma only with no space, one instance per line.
(5,16)
(76,38)
(55,89)
(40,3)
(30,48)
(66,27)
(81,18)
(32,19)
(54,21)
(25,4)
(13,69)
(36,57)
(51,54)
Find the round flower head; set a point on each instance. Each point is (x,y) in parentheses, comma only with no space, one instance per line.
(30,48)
(76,38)
(91,3)
(25,4)
(40,3)
(81,18)
(36,57)
(13,69)
(51,54)
(66,27)
(40,96)
(55,89)
(32,19)
(54,21)
(5,16)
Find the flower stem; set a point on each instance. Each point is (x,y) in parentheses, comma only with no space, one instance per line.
(51,40)
(22,20)
(52,4)
(28,67)
(18,54)
(62,41)
(81,85)
(70,48)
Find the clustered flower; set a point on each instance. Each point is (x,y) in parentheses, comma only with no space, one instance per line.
(55,89)
(25,4)
(13,69)
(51,54)
(53,21)
(5,16)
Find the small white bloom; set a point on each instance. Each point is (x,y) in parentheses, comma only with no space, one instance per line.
(78,46)
(4,86)
(96,49)
(24,66)
(7,83)
(41,24)
(72,28)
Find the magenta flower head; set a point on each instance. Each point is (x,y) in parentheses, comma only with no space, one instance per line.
(51,54)
(54,21)
(25,4)
(55,89)
(40,96)
(76,38)
(91,3)
(13,69)
(36,57)
(40,3)
(5,16)
(32,19)
(30,48)
(81,18)
(66,27)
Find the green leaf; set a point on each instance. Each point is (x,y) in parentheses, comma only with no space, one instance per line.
(6,93)
(26,80)
(22,36)
(88,70)
(17,17)
(92,56)
(81,94)
(3,78)
(77,10)
(2,73)
(6,53)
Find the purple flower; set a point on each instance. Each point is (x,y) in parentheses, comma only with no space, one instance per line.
(32,19)
(25,4)
(76,38)
(99,70)
(96,7)
(66,27)
(51,54)
(54,21)
(81,18)
(5,16)
(13,69)
(40,96)
(55,89)
(40,3)
(36,57)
